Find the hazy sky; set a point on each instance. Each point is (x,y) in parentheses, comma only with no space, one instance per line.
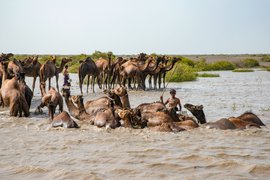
(134,26)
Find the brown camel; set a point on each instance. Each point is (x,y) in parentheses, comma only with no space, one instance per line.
(131,119)
(115,71)
(3,58)
(49,70)
(12,96)
(133,70)
(252,118)
(31,68)
(103,68)
(73,110)
(243,121)
(51,99)
(64,120)
(89,68)
(104,117)
(123,94)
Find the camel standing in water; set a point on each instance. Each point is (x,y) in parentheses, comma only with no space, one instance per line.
(89,68)
(31,68)
(49,70)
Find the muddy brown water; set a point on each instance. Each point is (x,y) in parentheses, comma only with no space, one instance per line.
(31,149)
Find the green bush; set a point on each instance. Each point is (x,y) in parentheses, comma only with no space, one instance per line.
(216,66)
(250,63)
(268,69)
(265,58)
(243,70)
(187,61)
(208,75)
(181,72)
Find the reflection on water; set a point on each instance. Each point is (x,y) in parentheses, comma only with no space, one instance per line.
(30,148)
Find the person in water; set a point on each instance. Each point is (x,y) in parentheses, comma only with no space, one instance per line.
(66,76)
(173,101)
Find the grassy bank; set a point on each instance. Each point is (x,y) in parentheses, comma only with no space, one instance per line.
(243,70)
(208,75)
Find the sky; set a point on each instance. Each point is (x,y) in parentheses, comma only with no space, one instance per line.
(134,26)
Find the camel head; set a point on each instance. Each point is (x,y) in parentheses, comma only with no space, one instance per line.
(77,99)
(197,111)
(65,92)
(66,60)
(131,117)
(15,68)
(120,91)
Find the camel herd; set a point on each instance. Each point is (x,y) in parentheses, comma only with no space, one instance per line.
(113,110)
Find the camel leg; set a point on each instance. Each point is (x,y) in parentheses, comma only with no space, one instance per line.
(164,75)
(49,84)
(34,84)
(159,81)
(129,83)
(57,77)
(93,83)
(25,107)
(88,77)
(155,81)
(81,82)
(14,109)
(150,82)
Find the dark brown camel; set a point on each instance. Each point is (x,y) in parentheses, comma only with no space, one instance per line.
(88,68)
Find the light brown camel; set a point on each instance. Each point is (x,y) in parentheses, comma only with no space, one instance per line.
(103,68)
(104,117)
(115,71)
(12,96)
(64,120)
(123,94)
(131,119)
(49,70)
(89,68)
(3,58)
(132,70)
(51,99)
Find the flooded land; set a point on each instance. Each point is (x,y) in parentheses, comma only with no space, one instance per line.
(31,148)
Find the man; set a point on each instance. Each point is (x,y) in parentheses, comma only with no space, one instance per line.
(66,76)
(173,101)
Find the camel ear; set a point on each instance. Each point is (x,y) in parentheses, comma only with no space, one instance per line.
(200,107)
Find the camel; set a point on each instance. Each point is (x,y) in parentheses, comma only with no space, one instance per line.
(162,74)
(252,118)
(12,96)
(131,119)
(51,99)
(133,70)
(49,70)
(89,68)
(121,92)
(64,120)
(243,121)
(24,88)
(103,117)
(115,71)
(31,68)
(3,58)
(197,111)
(103,68)
(73,110)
